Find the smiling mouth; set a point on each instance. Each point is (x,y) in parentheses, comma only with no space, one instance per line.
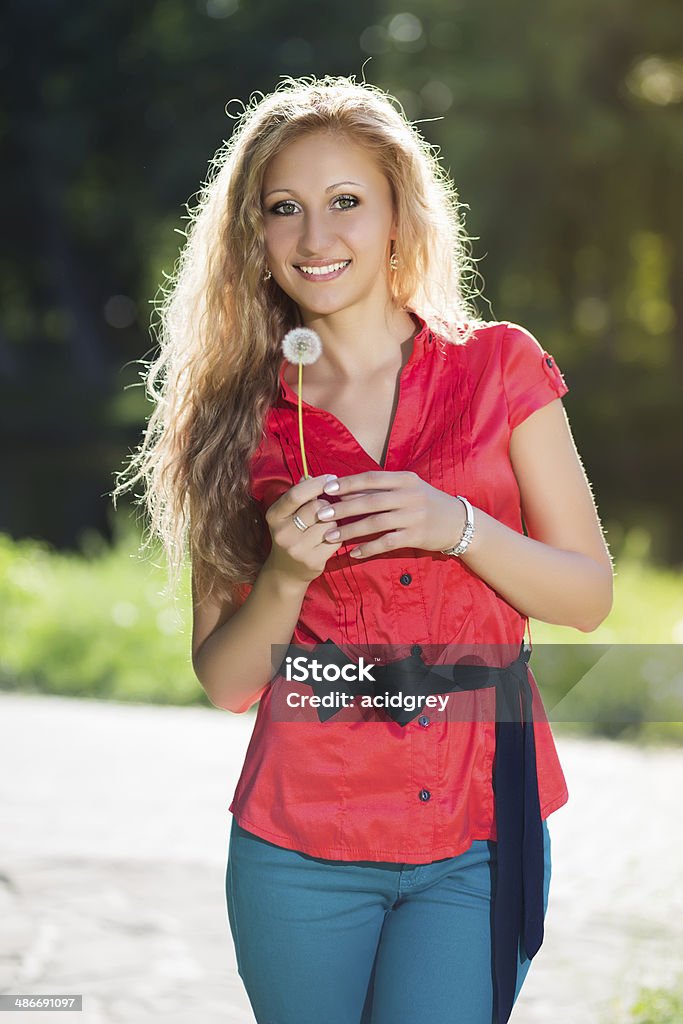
(327,273)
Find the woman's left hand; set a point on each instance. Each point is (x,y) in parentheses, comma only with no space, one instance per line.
(403,507)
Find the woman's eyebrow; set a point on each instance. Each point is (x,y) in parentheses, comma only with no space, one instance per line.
(328,189)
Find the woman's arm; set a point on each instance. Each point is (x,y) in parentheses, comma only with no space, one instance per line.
(231,645)
(231,649)
(562,572)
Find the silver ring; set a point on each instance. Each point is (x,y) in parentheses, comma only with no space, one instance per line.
(298,521)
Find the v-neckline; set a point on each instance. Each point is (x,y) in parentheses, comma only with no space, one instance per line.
(288,392)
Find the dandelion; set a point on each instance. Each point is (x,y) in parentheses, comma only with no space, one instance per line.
(303,346)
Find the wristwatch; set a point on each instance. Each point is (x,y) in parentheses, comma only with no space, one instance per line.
(467,534)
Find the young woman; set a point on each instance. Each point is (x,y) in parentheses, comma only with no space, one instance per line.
(388,863)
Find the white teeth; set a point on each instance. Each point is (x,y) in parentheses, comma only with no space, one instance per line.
(324,270)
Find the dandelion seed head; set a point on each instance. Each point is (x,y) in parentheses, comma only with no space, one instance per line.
(302,345)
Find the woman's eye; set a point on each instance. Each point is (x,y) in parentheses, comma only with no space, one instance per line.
(351,199)
(277,209)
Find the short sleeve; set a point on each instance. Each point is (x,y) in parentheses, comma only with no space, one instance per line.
(531,376)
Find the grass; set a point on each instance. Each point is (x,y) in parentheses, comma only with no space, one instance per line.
(94,624)
(652,1005)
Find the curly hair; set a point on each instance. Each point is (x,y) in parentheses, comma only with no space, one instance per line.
(220,324)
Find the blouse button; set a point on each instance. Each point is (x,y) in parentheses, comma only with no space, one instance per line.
(423,720)
(552,372)
(406,578)
(425,794)
(416,649)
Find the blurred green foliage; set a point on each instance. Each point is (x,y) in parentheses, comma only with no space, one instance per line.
(93,624)
(652,1005)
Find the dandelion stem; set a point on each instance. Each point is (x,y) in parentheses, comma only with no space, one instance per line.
(301,425)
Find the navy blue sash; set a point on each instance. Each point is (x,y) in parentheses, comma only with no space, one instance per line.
(519,876)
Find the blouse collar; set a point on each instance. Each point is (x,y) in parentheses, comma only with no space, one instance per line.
(421,341)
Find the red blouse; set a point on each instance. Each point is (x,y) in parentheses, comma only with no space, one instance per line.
(338,789)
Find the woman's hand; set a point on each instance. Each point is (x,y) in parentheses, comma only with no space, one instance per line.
(403,507)
(300,555)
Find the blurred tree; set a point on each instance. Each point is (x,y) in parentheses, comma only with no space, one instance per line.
(115,112)
(562,125)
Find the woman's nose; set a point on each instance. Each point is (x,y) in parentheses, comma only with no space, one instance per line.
(316,237)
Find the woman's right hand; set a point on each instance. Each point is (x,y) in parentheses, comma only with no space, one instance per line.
(301,554)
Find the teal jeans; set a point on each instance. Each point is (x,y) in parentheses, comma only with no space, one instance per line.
(322,941)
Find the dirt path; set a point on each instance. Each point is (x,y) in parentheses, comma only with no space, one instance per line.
(114,827)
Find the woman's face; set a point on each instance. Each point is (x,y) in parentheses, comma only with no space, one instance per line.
(326,202)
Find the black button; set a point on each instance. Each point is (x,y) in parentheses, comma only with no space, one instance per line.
(416,649)
(423,720)
(425,794)
(406,578)
(549,361)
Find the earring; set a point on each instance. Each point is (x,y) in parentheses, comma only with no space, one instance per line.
(393,262)
(267,276)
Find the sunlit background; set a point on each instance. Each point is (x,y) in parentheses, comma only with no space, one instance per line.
(562,127)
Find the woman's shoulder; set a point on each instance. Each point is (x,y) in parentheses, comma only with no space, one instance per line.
(501,340)
(470,335)
(510,358)
(472,344)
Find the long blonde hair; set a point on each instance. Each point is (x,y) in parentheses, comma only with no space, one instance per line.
(220,324)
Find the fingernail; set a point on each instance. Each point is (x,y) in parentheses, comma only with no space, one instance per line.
(331,487)
(326,513)
(334,535)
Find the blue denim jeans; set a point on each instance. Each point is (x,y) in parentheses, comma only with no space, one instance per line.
(322,941)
